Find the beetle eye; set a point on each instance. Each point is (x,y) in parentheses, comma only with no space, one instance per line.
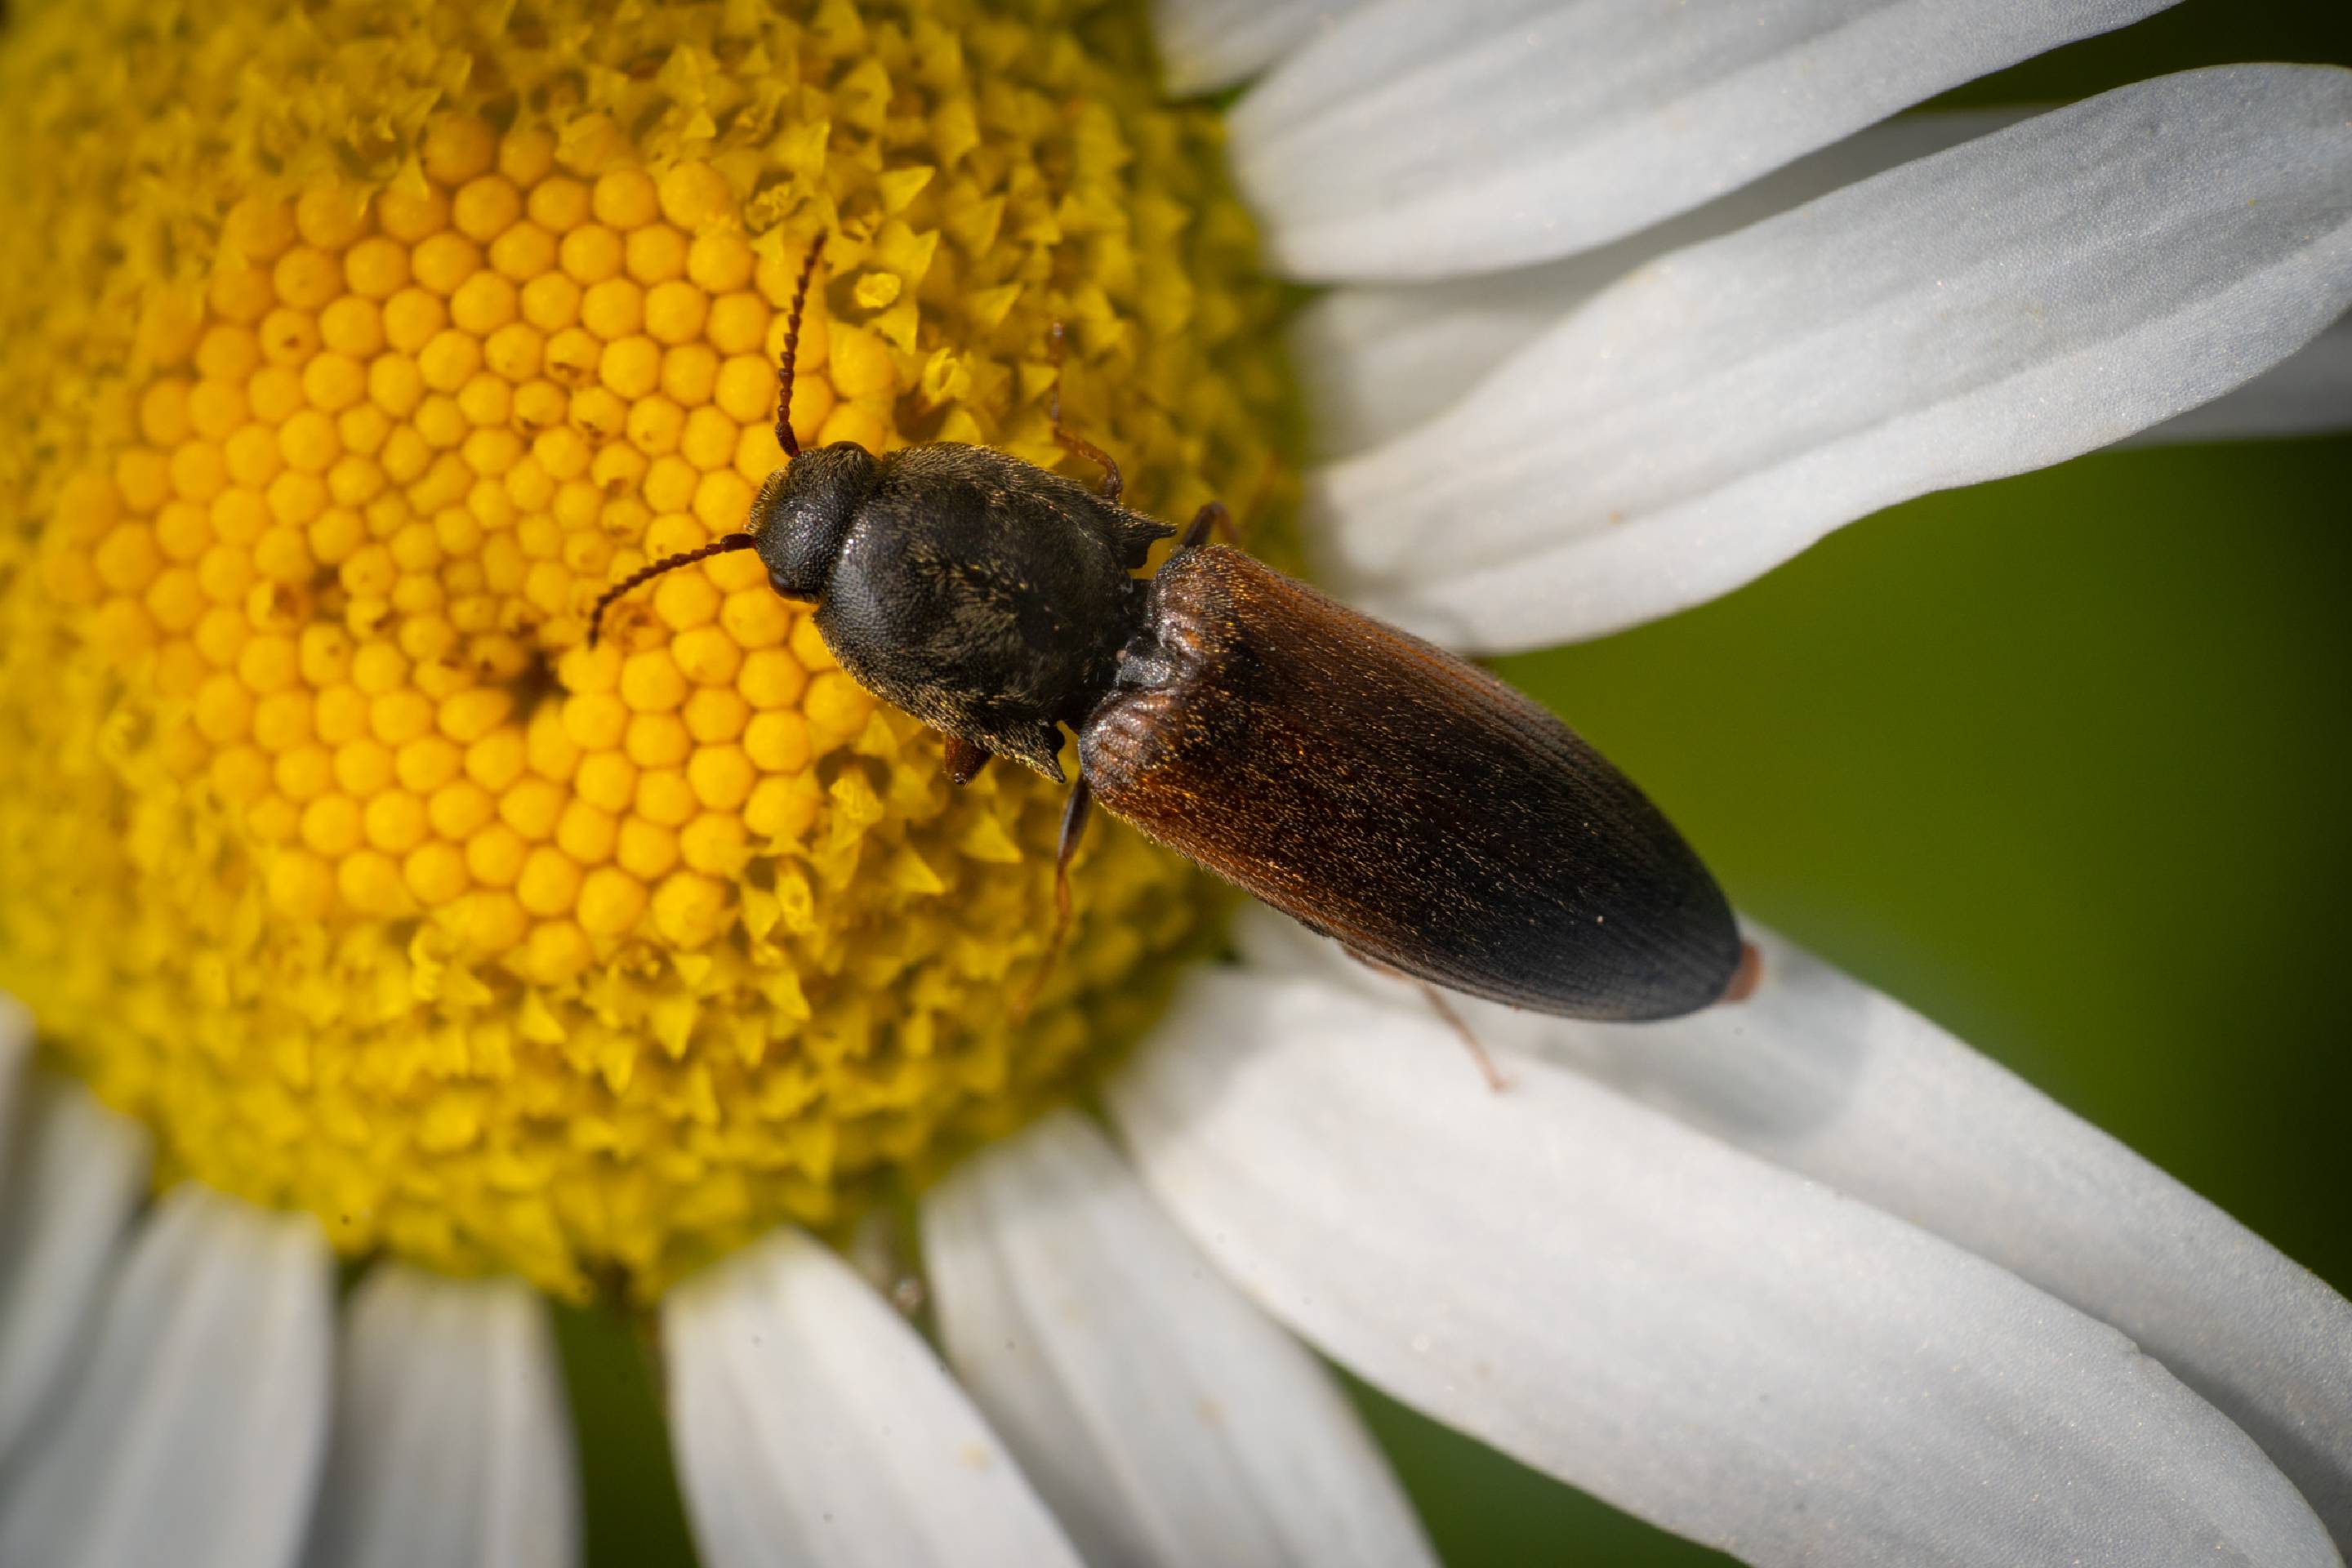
(784,591)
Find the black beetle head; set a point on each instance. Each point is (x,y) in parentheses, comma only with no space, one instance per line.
(802,513)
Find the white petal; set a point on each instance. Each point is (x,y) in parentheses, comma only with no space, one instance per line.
(1426,138)
(1209,44)
(813,1427)
(1826,1076)
(195,1438)
(1376,359)
(1164,1418)
(1734,1352)
(2307,394)
(2000,307)
(453,1442)
(72,1185)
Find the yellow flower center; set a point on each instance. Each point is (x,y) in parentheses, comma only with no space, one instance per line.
(346,355)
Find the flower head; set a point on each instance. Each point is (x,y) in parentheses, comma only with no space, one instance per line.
(486,947)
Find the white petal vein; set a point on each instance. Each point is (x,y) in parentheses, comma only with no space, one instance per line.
(78,1173)
(812,1425)
(1825,1077)
(1999,306)
(1425,138)
(1208,44)
(1161,1415)
(452,1441)
(195,1437)
(1376,359)
(1734,1352)
(2307,394)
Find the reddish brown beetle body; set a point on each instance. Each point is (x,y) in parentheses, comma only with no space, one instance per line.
(1366,782)
(1382,791)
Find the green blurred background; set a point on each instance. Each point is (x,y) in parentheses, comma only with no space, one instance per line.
(2061,761)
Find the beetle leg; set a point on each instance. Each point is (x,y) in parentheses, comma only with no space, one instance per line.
(1112,483)
(1206,521)
(1213,517)
(1075,812)
(1438,1005)
(965,758)
(1443,1009)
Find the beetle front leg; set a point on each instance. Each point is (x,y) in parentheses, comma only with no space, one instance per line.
(1212,517)
(1113,485)
(964,758)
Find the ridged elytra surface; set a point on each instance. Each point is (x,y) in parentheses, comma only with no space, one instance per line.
(1384,792)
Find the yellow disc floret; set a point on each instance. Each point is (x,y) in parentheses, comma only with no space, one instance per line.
(346,355)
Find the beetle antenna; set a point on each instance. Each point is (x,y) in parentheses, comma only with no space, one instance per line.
(726,543)
(784,436)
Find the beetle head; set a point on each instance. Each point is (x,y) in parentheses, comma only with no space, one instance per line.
(802,512)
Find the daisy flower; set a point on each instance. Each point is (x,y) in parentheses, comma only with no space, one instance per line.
(357,909)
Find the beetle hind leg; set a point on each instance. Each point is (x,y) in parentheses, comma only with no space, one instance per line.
(1496,1083)
(1075,812)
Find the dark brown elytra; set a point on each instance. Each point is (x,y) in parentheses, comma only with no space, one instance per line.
(1370,786)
